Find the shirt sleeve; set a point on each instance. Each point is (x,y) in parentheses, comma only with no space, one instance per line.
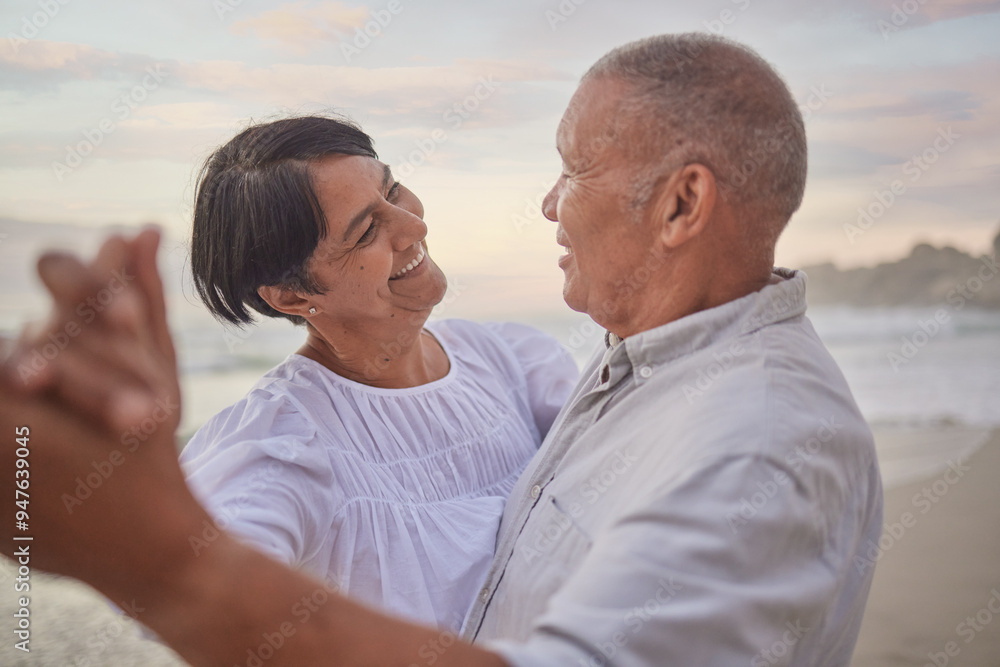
(695,577)
(548,368)
(258,471)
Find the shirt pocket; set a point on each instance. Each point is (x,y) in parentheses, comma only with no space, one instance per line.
(550,547)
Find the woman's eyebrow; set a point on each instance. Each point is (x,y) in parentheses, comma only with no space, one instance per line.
(361,216)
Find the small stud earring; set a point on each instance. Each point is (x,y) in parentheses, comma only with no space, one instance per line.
(312,311)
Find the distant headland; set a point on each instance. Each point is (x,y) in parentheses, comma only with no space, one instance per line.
(928,276)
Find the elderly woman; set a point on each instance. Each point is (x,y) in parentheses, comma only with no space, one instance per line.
(379,455)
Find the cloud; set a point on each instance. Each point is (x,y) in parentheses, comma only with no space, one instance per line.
(937,10)
(377,91)
(411,87)
(45,64)
(42,55)
(298,27)
(898,13)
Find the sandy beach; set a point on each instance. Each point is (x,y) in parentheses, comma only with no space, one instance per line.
(937,576)
(935,583)
(73,626)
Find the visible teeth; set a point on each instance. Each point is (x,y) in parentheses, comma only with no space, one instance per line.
(413,264)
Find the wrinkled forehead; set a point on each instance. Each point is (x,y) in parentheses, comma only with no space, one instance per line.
(590,124)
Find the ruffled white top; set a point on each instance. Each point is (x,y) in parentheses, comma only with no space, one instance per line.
(393,496)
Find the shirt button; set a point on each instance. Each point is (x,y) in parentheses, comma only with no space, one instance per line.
(536,491)
(646,372)
(484,594)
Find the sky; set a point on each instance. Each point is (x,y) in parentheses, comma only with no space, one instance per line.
(108,108)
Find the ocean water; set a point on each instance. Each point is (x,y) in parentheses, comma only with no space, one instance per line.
(908,369)
(905,368)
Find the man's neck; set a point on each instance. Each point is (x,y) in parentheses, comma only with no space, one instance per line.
(673,299)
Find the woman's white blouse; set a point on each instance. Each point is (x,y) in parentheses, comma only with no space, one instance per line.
(392,496)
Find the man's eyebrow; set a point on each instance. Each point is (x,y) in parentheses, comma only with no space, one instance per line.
(363,215)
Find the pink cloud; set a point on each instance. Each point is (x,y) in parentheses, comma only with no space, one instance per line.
(297,27)
(42,55)
(902,14)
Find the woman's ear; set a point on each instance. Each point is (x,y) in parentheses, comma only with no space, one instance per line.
(683,204)
(285,300)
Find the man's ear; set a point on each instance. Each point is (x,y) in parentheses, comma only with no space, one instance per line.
(683,204)
(284,300)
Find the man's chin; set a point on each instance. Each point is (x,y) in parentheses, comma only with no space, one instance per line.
(573,299)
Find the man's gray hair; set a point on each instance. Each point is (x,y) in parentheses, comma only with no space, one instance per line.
(699,98)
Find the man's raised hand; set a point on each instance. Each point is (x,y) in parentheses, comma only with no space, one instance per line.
(105,350)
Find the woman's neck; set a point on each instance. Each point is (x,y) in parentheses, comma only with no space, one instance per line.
(408,357)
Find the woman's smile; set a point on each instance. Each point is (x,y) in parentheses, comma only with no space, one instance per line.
(415,266)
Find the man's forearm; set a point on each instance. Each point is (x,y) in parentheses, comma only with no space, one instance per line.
(232,603)
(130,538)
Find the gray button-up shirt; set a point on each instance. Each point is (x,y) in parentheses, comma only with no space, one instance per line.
(708,496)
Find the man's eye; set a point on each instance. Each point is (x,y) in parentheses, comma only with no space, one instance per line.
(393,192)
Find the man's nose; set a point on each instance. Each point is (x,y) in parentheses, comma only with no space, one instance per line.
(549,204)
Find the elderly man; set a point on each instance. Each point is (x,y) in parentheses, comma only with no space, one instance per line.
(704,498)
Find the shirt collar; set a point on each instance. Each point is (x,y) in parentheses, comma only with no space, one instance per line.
(782,299)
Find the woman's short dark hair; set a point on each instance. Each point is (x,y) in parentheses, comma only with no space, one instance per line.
(257,219)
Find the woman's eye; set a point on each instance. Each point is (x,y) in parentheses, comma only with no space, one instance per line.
(369,233)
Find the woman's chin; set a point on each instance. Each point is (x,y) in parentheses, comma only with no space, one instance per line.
(427,286)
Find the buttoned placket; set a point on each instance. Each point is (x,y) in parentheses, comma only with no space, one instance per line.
(590,404)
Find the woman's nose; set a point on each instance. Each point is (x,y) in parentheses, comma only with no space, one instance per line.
(409,228)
